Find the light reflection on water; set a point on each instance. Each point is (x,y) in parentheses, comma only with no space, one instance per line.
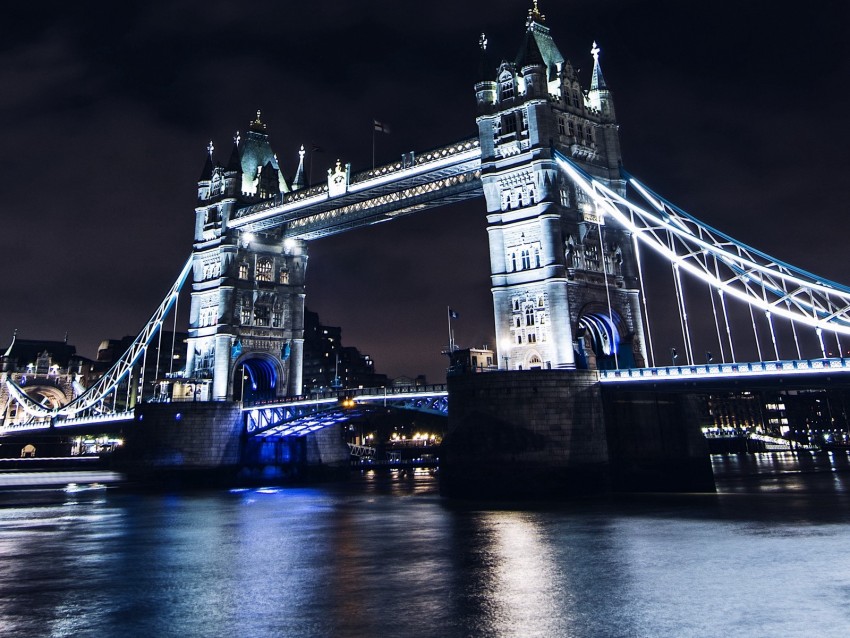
(386,556)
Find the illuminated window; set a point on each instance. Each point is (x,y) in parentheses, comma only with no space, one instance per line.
(264,270)
(243,270)
(261,314)
(245,311)
(284,276)
(507,87)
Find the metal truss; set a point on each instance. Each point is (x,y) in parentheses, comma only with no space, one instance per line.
(729,266)
(300,417)
(92,399)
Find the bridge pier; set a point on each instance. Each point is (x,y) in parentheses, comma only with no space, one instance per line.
(204,443)
(554,433)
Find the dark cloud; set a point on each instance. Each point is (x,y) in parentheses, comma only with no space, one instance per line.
(736,111)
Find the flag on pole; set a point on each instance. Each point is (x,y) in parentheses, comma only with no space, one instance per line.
(381,127)
(453,314)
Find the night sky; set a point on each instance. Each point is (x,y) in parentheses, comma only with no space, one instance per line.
(737,111)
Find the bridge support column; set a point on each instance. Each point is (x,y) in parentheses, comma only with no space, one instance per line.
(553,434)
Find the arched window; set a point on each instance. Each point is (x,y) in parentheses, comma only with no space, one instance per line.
(537,258)
(506,86)
(284,276)
(243,270)
(513,261)
(277,315)
(264,269)
(526,260)
(517,322)
(529,316)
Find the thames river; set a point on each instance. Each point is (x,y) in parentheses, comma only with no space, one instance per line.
(384,555)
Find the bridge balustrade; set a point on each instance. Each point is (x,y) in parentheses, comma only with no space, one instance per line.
(760,368)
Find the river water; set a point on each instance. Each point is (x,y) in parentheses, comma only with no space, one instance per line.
(384,555)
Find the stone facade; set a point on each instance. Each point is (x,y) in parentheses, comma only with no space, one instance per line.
(247,314)
(562,275)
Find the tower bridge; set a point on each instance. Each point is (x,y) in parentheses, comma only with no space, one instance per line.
(569,234)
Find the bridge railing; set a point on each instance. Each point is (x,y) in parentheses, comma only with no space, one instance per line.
(753,368)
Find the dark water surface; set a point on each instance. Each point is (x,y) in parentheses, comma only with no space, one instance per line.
(385,556)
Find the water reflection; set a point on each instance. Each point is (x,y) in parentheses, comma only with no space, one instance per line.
(386,556)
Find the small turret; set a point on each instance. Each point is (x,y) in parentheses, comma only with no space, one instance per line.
(485,90)
(255,154)
(206,173)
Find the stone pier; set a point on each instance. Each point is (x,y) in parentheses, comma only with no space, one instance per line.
(552,434)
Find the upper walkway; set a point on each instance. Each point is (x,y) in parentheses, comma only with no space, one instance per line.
(418,181)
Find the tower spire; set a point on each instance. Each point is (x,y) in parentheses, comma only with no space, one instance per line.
(534,15)
(597,81)
(207,171)
(298,180)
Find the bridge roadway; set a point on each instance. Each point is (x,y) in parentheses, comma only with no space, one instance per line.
(297,416)
(418,181)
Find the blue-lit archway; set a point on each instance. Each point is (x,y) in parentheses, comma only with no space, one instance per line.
(606,339)
(256,377)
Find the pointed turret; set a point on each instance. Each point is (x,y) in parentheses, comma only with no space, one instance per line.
(298,181)
(597,82)
(485,89)
(206,173)
(539,48)
(234,163)
(255,153)
(599,95)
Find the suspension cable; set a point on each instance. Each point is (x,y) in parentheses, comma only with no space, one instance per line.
(755,331)
(643,296)
(714,313)
(174,332)
(614,328)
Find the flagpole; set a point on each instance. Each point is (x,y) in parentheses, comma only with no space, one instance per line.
(449,320)
(373,145)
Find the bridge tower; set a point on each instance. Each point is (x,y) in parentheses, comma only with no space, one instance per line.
(564,279)
(246,324)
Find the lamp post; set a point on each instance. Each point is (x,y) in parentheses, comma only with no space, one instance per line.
(242,393)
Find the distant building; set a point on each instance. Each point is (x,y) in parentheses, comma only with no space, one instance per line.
(328,364)
(163,368)
(469,360)
(49,372)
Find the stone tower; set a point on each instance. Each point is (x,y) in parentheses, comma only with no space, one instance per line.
(564,278)
(246,324)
